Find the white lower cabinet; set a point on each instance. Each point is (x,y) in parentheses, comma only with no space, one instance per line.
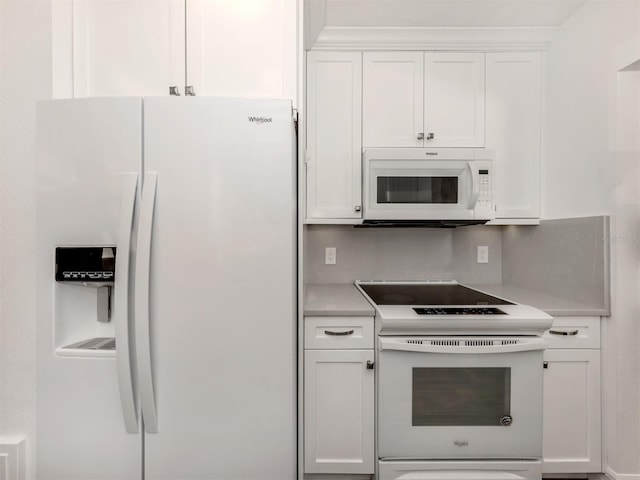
(339,402)
(572,398)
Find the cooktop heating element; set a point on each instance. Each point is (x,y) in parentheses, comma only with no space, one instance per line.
(444,307)
(428,293)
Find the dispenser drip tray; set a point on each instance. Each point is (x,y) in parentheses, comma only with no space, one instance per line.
(100,343)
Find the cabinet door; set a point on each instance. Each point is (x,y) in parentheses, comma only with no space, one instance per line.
(334,85)
(571,427)
(392,99)
(338,411)
(126,47)
(513,131)
(241,48)
(454,102)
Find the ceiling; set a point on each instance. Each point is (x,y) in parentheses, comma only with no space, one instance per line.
(445,13)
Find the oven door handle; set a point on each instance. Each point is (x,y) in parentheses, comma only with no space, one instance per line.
(462,345)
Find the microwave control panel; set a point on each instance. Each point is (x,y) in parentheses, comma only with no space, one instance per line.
(484,201)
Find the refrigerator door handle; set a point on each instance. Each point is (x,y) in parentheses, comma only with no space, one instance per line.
(142,317)
(121,305)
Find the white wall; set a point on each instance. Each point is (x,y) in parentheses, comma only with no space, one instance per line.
(592,166)
(577,149)
(25,76)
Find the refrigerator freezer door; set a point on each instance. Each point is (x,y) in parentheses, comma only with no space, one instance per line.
(222,288)
(88,151)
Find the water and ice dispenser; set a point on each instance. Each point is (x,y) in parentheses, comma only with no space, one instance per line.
(84,284)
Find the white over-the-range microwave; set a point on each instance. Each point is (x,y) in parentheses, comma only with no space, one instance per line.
(421,186)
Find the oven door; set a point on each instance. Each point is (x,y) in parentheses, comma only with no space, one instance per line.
(458,397)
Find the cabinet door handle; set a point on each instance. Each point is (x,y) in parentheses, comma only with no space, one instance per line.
(338,334)
(357,208)
(564,332)
(421,136)
(370,365)
(431,136)
(175,91)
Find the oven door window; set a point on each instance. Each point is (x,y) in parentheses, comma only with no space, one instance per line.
(418,190)
(460,396)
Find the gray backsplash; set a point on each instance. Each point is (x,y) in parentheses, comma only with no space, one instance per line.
(565,258)
(401,254)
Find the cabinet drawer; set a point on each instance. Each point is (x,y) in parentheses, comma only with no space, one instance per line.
(574,332)
(338,332)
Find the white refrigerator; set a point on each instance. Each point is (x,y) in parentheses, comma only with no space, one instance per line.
(166,289)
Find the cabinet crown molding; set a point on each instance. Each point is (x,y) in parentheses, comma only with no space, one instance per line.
(485,39)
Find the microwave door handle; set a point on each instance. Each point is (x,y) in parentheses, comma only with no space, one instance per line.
(474,172)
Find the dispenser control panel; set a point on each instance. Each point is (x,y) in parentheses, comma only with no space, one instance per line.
(85,264)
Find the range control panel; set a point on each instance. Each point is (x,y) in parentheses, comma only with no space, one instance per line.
(459,311)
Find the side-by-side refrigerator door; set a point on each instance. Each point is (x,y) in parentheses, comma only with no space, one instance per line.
(217,380)
(88,162)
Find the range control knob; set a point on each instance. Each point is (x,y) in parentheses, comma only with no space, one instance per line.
(506,420)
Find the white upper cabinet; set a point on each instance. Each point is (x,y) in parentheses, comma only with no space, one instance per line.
(416,99)
(392,91)
(514,132)
(143,47)
(242,48)
(124,48)
(454,99)
(333,166)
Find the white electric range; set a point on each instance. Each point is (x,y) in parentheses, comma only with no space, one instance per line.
(458,382)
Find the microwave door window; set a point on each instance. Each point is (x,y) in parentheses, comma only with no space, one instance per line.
(460,396)
(418,190)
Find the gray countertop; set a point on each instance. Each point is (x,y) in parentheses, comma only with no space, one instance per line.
(554,306)
(338,299)
(335,299)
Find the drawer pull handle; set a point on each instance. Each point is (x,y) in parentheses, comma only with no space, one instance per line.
(345,333)
(564,332)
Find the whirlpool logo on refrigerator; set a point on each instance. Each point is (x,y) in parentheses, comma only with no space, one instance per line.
(260,120)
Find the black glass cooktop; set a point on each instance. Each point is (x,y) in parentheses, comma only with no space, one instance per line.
(428,294)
